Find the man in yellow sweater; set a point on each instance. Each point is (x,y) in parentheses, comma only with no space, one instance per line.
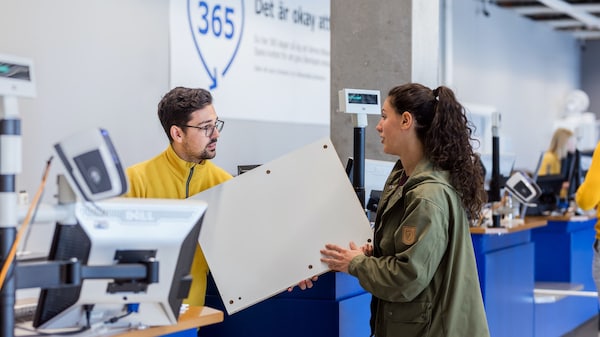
(587,198)
(184,168)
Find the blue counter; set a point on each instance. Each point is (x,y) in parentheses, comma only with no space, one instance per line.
(509,263)
(336,306)
(563,254)
(505,263)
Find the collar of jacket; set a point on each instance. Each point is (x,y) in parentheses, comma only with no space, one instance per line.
(177,162)
(423,173)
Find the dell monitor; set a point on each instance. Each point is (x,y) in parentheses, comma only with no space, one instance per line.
(161,234)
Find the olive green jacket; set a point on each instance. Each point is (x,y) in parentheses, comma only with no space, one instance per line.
(422,275)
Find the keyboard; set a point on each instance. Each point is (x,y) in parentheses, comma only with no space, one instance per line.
(25,310)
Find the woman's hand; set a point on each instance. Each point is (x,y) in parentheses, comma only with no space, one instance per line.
(338,258)
(367,249)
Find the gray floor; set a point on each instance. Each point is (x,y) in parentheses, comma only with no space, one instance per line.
(587,329)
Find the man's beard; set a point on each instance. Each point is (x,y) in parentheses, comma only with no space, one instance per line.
(207,154)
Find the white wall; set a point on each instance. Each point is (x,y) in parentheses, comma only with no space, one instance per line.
(98,64)
(522,68)
(105,63)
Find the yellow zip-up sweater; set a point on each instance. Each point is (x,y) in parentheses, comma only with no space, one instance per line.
(168,176)
(550,164)
(588,194)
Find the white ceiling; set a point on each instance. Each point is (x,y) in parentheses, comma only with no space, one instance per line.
(579,17)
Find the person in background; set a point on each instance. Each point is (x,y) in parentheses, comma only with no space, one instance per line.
(587,198)
(184,168)
(562,142)
(421,268)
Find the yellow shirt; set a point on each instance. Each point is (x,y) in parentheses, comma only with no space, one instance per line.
(168,176)
(550,164)
(588,194)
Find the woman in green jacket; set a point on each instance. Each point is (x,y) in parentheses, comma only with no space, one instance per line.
(421,268)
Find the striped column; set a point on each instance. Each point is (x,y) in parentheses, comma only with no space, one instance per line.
(10,166)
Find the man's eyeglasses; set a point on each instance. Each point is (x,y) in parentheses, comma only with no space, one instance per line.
(208,129)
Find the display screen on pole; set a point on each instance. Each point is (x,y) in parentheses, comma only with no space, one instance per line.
(15,71)
(357,98)
(16,76)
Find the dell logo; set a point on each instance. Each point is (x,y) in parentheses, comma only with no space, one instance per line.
(139,216)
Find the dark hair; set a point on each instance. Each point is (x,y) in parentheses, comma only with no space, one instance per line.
(177,105)
(446,133)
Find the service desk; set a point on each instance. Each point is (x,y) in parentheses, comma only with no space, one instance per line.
(187,325)
(563,259)
(505,263)
(336,306)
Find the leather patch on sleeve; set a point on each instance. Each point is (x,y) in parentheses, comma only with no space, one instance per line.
(409,234)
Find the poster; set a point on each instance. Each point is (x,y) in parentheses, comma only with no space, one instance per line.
(262,60)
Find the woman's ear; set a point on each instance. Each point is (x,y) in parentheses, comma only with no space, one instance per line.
(406,119)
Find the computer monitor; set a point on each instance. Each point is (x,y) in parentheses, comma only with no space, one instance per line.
(576,172)
(111,234)
(349,167)
(241,169)
(552,184)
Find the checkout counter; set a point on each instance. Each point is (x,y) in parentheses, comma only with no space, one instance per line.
(515,266)
(336,306)
(521,267)
(506,265)
(563,261)
(188,322)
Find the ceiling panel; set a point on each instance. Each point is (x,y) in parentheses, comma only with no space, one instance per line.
(578,17)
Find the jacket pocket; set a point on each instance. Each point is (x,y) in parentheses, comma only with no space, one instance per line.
(407,319)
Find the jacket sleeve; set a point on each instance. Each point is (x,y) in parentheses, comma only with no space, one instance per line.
(402,275)
(135,184)
(588,194)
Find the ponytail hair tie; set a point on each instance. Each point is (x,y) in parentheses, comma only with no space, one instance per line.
(436,93)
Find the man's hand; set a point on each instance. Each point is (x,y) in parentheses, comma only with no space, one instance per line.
(305,284)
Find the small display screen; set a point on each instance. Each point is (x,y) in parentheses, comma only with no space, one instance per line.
(15,71)
(355,98)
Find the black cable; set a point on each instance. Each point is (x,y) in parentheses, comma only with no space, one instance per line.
(88,313)
(116,318)
(40,333)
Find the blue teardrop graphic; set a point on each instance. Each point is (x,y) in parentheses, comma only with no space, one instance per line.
(217,32)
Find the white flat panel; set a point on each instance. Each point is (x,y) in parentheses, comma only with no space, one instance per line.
(263,230)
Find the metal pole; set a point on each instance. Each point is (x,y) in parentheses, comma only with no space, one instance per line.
(495,182)
(10,166)
(358,170)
